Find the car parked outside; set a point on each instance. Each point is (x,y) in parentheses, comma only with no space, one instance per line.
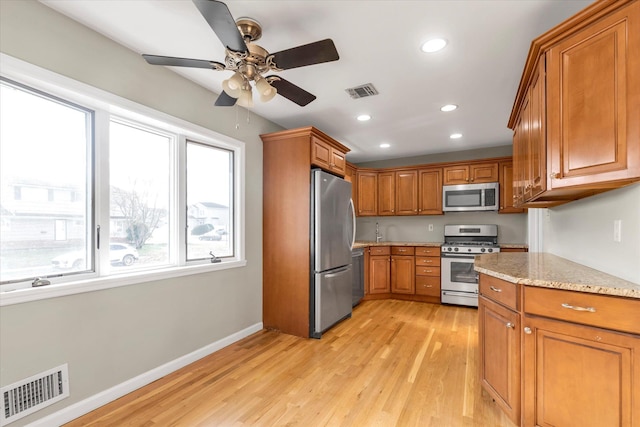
(118,253)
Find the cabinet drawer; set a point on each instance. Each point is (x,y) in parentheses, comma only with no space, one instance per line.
(428,261)
(379,250)
(501,291)
(620,314)
(427,271)
(427,251)
(426,285)
(402,250)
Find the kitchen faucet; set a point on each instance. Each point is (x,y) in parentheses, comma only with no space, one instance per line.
(378,235)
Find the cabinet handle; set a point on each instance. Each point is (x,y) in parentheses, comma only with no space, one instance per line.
(494,289)
(576,308)
(510,325)
(554,175)
(428,286)
(527,330)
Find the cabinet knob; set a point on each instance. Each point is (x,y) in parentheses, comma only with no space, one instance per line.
(527,330)
(510,325)
(554,175)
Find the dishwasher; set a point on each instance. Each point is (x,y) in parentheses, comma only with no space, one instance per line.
(357,288)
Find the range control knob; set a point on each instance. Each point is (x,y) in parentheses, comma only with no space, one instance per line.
(483,249)
(469,250)
(490,250)
(449,249)
(455,250)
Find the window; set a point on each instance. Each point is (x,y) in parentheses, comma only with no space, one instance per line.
(140,178)
(209,202)
(45,144)
(95,187)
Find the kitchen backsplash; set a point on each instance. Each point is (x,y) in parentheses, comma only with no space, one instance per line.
(512,228)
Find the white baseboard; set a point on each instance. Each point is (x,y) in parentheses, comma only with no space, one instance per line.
(85,406)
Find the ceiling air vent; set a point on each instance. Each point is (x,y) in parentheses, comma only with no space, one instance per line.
(362,91)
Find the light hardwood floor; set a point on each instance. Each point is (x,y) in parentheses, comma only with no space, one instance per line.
(394,363)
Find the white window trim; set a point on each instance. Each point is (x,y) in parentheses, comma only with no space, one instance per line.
(91,97)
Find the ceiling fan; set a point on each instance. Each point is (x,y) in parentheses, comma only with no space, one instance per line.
(249,61)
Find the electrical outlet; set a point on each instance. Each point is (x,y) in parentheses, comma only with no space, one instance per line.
(617,230)
(430,227)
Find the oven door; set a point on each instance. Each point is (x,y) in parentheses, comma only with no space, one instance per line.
(458,274)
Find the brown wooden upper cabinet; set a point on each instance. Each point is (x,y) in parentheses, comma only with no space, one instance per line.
(470,174)
(575,117)
(506,189)
(367,193)
(430,191)
(386,193)
(326,154)
(407,192)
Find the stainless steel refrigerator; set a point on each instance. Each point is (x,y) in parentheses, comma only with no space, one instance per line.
(332,235)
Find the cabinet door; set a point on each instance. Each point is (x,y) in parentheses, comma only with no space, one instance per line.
(430,192)
(593,92)
(407,192)
(536,177)
(386,193)
(506,189)
(403,274)
(520,152)
(320,153)
(367,187)
(485,172)
(456,174)
(499,341)
(578,375)
(379,274)
(338,162)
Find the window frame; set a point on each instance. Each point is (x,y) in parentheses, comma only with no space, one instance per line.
(108,106)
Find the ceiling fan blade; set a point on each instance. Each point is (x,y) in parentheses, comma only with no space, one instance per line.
(222,23)
(225,100)
(182,62)
(291,92)
(308,54)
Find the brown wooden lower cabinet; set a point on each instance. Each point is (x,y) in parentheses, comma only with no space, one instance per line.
(552,357)
(403,272)
(577,375)
(499,345)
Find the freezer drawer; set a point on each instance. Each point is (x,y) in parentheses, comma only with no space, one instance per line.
(332,298)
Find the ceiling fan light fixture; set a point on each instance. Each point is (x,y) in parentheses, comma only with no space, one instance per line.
(246,98)
(233,85)
(266,91)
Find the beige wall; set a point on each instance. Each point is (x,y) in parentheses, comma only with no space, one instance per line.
(110,336)
(582,231)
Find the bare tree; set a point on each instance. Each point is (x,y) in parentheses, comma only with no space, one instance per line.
(141,216)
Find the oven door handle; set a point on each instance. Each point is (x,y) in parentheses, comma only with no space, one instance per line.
(452,256)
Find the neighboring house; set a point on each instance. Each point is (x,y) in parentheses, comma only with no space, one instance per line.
(208,213)
(37,211)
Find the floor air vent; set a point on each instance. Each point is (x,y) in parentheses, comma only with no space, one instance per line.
(362,91)
(34,393)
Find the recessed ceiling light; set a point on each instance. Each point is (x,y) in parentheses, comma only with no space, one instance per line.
(433,45)
(455,136)
(385,145)
(364,117)
(448,107)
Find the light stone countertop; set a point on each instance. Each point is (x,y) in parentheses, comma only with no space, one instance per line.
(364,244)
(551,271)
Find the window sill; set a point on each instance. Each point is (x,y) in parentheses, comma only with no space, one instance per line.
(19,296)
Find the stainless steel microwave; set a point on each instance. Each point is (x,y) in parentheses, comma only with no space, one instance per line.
(470,197)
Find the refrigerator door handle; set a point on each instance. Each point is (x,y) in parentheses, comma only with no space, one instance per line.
(337,272)
(353,216)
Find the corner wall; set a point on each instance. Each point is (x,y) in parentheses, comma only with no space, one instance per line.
(582,231)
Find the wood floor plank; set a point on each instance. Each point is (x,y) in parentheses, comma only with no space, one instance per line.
(394,363)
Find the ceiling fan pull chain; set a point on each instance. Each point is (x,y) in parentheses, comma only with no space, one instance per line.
(248,116)
(237,121)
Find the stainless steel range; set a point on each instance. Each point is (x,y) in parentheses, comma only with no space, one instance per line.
(459,281)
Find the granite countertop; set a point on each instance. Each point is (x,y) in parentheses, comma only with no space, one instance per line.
(513,245)
(551,271)
(364,244)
